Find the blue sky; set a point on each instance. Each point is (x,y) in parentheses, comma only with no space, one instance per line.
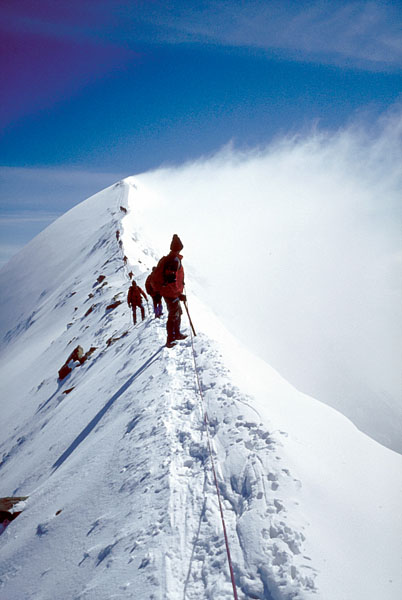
(98,90)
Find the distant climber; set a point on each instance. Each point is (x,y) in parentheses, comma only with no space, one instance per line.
(168,280)
(156,297)
(134,299)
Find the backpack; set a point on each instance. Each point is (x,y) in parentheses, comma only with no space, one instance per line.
(164,273)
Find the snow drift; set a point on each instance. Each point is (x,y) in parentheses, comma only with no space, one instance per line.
(114,459)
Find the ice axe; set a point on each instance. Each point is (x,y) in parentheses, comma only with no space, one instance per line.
(189,318)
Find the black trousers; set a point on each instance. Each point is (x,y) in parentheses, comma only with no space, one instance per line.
(142,309)
(174,317)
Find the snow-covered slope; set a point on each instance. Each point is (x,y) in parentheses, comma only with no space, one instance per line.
(122,502)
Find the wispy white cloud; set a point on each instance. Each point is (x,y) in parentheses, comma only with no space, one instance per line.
(354,34)
(25,217)
(54,175)
(46,188)
(363,34)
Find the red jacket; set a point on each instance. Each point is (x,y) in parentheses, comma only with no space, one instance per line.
(134,295)
(168,277)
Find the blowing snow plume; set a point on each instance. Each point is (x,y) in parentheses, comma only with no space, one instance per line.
(297,248)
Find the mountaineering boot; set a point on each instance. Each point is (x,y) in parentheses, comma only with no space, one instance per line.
(180,336)
(170,342)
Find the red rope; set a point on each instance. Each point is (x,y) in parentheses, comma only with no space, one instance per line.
(206,423)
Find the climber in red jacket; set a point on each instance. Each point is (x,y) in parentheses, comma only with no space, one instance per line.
(134,299)
(168,280)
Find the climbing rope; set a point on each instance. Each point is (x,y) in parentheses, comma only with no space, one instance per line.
(209,443)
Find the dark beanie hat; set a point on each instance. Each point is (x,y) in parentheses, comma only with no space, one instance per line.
(176,244)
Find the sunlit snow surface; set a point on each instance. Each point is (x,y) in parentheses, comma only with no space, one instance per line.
(312,505)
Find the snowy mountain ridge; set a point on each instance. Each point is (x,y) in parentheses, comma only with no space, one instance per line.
(121,501)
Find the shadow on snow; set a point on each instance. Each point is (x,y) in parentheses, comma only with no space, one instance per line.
(92,424)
